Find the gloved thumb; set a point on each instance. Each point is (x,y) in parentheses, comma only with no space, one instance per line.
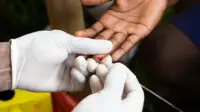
(115,81)
(90,46)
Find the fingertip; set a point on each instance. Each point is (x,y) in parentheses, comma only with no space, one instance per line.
(86,33)
(80,64)
(77,34)
(107,61)
(80,33)
(108,46)
(80,61)
(101,70)
(95,84)
(98,58)
(92,64)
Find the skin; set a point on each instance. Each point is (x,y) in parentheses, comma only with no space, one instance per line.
(125,23)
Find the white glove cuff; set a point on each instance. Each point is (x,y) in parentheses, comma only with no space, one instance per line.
(15,60)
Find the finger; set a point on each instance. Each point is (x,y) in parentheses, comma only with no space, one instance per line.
(93,2)
(81,64)
(92,65)
(90,32)
(127,45)
(78,76)
(107,61)
(84,46)
(99,57)
(90,46)
(95,84)
(101,72)
(135,94)
(106,34)
(115,81)
(76,86)
(140,29)
(116,40)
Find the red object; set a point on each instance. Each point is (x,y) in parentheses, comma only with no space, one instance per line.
(56,108)
(62,102)
(100,59)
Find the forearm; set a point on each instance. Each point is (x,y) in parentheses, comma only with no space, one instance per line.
(5,66)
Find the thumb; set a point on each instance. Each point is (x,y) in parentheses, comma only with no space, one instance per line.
(115,81)
(90,46)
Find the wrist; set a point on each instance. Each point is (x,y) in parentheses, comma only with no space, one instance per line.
(5,66)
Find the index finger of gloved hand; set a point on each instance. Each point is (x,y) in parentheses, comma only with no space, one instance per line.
(125,47)
(89,46)
(90,32)
(95,84)
(83,46)
(135,95)
(115,81)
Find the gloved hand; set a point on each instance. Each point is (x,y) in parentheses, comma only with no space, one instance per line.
(42,61)
(119,81)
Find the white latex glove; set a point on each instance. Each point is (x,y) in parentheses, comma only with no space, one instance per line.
(108,97)
(86,67)
(42,61)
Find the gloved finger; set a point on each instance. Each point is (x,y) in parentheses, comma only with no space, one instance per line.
(107,61)
(135,95)
(92,65)
(81,64)
(76,86)
(115,81)
(84,46)
(101,72)
(78,76)
(105,35)
(95,84)
(90,46)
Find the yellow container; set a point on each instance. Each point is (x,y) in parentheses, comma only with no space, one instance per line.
(25,101)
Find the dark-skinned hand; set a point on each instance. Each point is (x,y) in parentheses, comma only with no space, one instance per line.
(125,23)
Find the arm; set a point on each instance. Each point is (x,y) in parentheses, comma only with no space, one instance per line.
(5,66)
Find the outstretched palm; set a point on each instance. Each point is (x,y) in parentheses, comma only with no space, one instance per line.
(125,23)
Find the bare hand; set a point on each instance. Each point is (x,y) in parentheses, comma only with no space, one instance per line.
(125,23)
